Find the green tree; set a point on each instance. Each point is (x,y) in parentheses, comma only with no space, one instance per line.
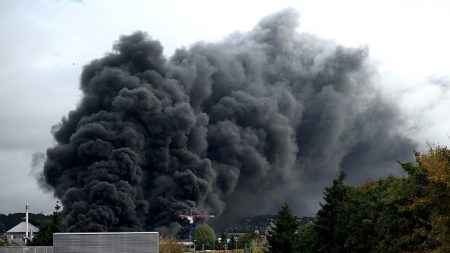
(204,234)
(45,235)
(430,206)
(379,216)
(307,237)
(395,214)
(247,239)
(370,220)
(282,235)
(390,223)
(329,233)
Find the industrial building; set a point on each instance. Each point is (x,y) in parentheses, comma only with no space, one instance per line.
(106,242)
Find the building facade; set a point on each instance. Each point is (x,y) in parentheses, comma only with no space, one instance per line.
(17,234)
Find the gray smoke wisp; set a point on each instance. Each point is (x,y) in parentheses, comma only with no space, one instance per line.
(229,128)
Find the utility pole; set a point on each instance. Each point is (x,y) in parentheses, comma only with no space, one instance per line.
(26,221)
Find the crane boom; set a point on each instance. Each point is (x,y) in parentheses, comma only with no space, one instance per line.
(195,216)
(191,217)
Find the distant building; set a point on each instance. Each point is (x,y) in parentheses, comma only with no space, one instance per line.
(22,232)
(17,234)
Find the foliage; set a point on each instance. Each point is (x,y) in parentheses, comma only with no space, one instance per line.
(307,237)
(396,214)
(432,204)
(3,240)
(281,236)
(361,219)
(204,234)
(170,245)
(10,220)
(45,235)
(328,219)
(248,239)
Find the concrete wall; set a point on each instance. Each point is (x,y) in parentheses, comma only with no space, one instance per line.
(26,249)
(117,242)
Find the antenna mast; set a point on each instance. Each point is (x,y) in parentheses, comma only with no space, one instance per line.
(26,221)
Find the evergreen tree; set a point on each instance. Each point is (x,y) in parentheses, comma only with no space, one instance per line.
(306,238)
(282,236)
(329,233)
(395,214)
(45,235)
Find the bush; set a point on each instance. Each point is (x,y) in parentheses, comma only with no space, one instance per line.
(3,240)
(170,245)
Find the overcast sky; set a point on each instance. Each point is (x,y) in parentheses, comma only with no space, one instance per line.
(45,43)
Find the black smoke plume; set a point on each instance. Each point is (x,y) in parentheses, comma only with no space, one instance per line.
(229,128)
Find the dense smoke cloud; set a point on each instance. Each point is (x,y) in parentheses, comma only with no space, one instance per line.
(229,128)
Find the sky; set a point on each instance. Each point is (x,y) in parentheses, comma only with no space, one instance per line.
(45,44)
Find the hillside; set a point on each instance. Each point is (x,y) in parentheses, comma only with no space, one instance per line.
(258,223)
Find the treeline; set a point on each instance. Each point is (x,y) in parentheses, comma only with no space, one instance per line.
(53,225)
(396,214)
(10,220)
(48,224)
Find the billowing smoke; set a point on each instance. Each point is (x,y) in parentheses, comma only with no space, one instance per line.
(229,128)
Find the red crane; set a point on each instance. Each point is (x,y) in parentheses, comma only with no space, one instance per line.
(194,216)
(191,217)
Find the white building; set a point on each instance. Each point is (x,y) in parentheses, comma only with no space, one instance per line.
(17,234)
(22,232)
